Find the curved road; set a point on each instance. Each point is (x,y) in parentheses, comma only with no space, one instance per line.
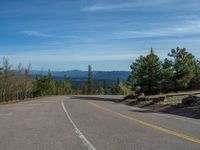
(92,122)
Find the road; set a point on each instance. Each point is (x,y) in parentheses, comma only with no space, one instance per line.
(94,123)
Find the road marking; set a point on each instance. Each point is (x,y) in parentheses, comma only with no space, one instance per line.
(183,136)
(78,132)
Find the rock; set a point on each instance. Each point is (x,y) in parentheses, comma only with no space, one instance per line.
(187,101)
(141,97)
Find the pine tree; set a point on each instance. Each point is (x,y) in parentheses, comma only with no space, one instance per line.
(51,84)
(195,82)
(184,68)
(105,87)
(89,82)
(167,75)
(146,74)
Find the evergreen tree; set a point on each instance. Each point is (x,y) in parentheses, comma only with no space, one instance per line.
(105,87)
(146,73)
(51,84)
(167,75)
(184,68)
(45,85)
(195,82)
(89,82)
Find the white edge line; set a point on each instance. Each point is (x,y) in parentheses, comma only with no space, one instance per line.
(78,132)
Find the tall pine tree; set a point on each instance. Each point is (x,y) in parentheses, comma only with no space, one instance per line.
(89,82)
(146,73)
(184,68)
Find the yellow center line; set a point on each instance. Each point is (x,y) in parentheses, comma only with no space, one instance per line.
(165,130)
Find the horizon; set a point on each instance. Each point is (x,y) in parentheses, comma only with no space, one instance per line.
(108,34)
(82,70)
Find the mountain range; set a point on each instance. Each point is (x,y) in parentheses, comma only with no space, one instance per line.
(78,74)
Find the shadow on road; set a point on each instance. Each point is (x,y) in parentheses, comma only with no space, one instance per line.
(190,112)
(142,111)
(96,98)
(148,108)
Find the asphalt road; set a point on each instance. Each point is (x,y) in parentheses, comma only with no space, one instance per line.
(95,123)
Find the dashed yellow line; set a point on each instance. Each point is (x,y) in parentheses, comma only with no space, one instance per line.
(165,130)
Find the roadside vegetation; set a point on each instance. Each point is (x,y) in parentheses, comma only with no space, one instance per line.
(19,84)
(171,81)
(179,71)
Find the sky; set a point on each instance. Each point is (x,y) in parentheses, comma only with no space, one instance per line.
(108,34)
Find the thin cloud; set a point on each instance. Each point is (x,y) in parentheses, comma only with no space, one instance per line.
(138,34)
(183,29)
(62,57)
(35,33)
(108,57)
(41,34)
(110,7)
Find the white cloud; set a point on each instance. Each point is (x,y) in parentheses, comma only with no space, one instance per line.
(108,7)
(180,29)
(62,56)
(125,5)
(42,34)
(138,34)
(35,33)
(108,57)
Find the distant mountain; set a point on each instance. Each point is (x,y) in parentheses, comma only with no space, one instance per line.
(77,74)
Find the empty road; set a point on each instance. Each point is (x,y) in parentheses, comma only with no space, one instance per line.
(92,123)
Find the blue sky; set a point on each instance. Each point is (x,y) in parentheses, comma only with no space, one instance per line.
(108,34)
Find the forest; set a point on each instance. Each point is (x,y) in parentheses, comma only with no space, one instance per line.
(179,71)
